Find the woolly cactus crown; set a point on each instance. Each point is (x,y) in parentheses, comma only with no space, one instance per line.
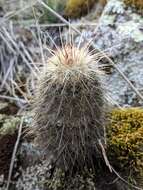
(70,63)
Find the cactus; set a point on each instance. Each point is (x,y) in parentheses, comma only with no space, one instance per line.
(69,108)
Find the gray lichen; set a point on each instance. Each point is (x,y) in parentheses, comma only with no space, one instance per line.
(8,124)
(122,39)
(39,177)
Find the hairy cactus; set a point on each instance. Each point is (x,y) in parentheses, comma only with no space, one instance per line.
(69,108)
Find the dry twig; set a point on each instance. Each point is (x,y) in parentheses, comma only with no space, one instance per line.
(14,154)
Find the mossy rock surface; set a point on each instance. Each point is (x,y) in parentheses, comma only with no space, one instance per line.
(125,140)
(135,3)
(78,8)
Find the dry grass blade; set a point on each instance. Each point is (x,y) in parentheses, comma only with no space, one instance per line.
(13,99)
(30,58)
(23,93)
(14,154)
(7,17)
(20,52)
(17,63)
(39,39)
(7,73)
(62,25)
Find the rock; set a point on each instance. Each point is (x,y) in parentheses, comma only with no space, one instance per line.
(34,177)
(120,35)
(125,38)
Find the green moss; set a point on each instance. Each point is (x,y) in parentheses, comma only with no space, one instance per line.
(125,140)
(77,8)
(8,124)
(135,3)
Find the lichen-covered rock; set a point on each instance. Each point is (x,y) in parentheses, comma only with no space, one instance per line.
(8,125)
(125,142)
(39,177)
(34,177)
(120,35)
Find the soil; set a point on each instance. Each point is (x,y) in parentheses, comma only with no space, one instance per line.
(7,143)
